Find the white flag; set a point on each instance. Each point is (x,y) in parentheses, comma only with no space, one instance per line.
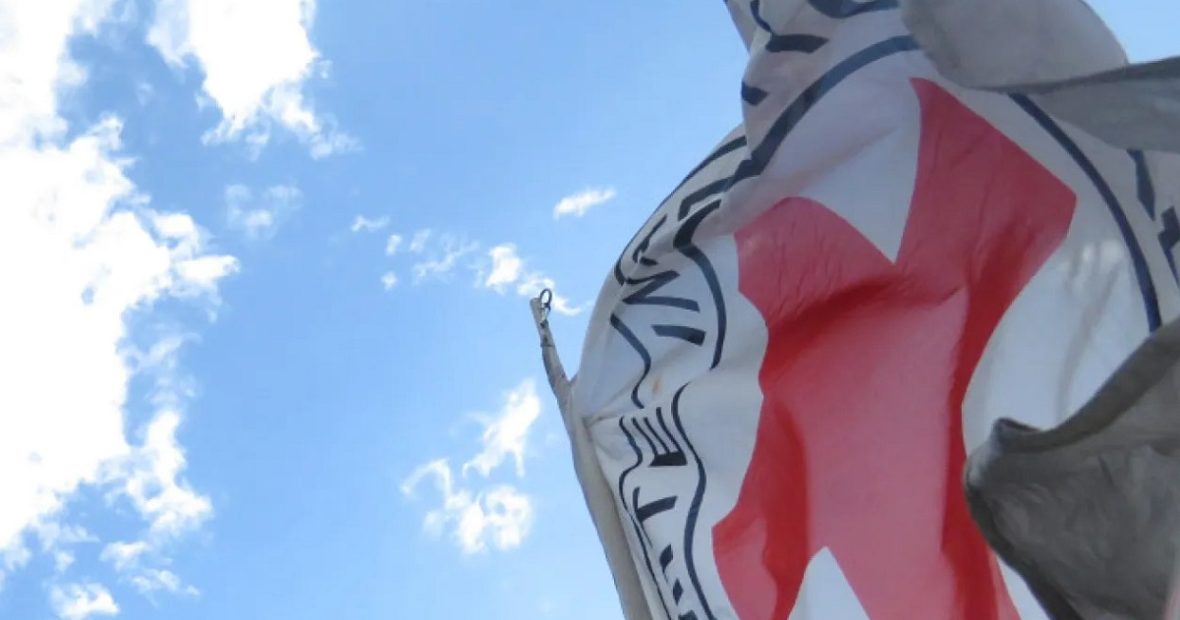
(914,232)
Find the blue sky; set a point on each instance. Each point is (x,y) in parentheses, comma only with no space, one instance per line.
(244,410)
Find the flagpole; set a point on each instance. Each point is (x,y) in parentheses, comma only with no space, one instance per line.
(599,499)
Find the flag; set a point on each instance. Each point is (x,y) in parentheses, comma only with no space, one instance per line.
(933,216)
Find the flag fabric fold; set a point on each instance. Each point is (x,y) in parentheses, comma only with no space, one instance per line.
(1058,52)
(788,364)
(1136,107)
(1088,511)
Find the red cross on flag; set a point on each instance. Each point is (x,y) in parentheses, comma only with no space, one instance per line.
(921,226)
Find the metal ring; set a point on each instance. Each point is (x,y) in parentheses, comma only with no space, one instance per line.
(546,299)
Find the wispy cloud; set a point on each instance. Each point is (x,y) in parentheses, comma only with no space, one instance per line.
(57,541)
(418,242)
(256,58)
(123,555)
(479,515)
(153,482)
(258,216)
(499,517)
(579,204)
(129,561)
(79,601)
(152,580)
(62,561)
(508,272)
(364,224)
(450,250)
(506,435)
(144,93)
(500,269)
(150,477)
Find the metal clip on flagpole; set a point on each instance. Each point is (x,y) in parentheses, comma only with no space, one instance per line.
(594,486)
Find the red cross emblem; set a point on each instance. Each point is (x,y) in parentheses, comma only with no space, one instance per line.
(860,443)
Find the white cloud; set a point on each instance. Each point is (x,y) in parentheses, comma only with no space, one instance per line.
(393,244)
(128,560)
(259,217)
(256,57)
(364,224)
(507,516)
(80,601)
(506,267)
(451,250)
(34,63)
(498,516)
(389,280)
(89,255)
(508,271)
(578,204)
(506,434)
